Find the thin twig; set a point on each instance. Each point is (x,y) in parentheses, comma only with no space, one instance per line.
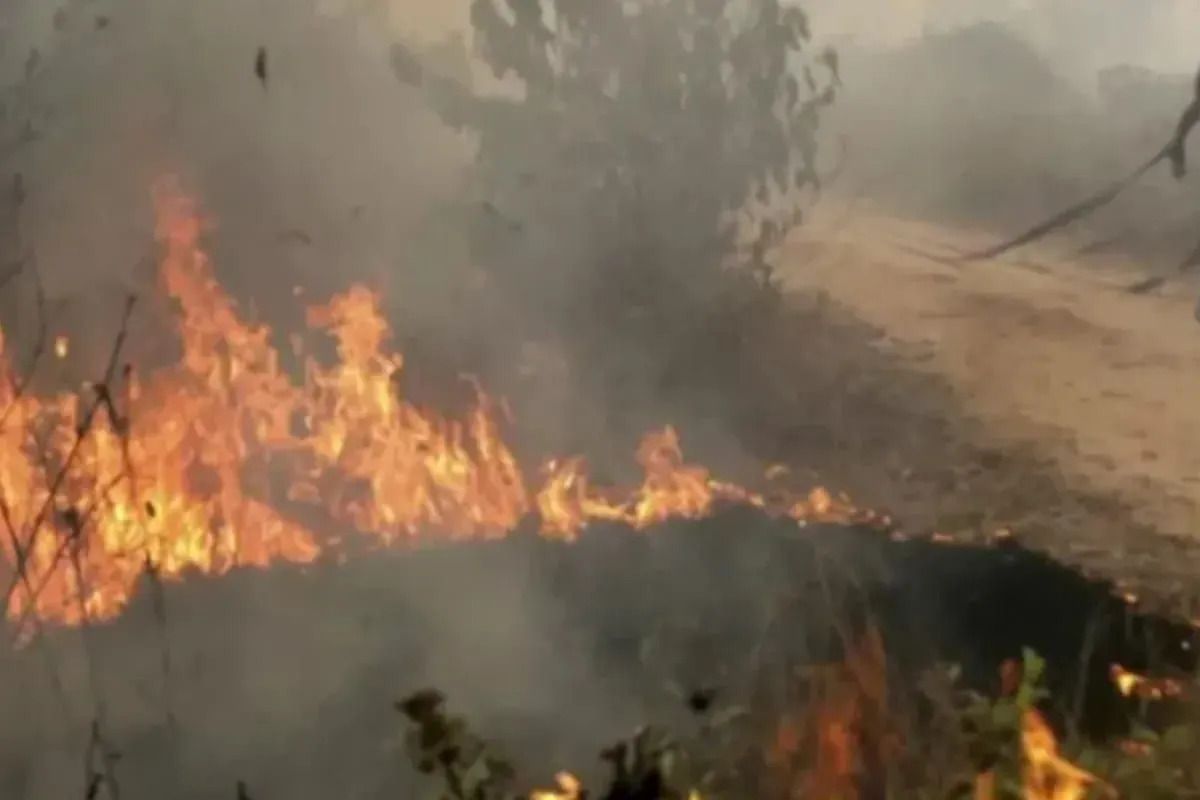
(1085,661)
(30,607)
(97,778)
(84,428)
(123,425)
(107,772)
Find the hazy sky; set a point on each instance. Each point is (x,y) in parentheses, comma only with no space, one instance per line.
(1082,35)
(1085,34)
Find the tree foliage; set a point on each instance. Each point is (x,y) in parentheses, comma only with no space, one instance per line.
(640,160)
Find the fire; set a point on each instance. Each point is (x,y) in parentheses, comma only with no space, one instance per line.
(211,463)
(62,347)
(1047,775)
(1131,684)
(569,788)
(826,750)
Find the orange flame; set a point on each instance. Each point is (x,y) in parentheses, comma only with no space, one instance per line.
(175,471)
(1047,775)
(569,788)
(826,751)
(1131,684)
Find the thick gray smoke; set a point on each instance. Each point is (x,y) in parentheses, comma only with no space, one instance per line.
(317,169)
(330,172)
(283,118)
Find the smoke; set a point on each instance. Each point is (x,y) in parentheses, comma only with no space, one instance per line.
(316,168)
(997,115)
(334,172)
(322,169)
(287,681)
(1079,36)
(319,171)
(328,173)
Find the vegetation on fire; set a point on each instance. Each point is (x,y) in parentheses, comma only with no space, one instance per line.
(963,745)
(149,473)
(847,735)
(849,731)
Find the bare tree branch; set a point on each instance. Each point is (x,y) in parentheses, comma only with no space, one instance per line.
(1174,151)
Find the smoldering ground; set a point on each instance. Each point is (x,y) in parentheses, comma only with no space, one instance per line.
(285,680)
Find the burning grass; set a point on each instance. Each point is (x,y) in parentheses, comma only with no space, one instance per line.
(163,471)
(840,727)
(829,662)
(827,678)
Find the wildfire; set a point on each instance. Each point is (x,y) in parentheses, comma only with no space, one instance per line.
(569,788)
(212,463)
(1131,684)
(844,733)
(1047,775)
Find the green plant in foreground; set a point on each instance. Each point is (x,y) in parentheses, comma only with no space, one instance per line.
(649,766)
(1153,764)
(993,727)
(442,745)
(979,748)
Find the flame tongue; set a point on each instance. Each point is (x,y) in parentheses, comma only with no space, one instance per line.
(1047,775)
(176,483)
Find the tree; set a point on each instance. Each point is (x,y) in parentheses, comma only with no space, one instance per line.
(637,167)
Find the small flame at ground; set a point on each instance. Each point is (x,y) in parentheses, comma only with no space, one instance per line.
(569,788)
(169,474)
(825,751)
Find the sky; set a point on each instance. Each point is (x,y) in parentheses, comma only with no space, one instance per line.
(1081,35)
(1087,35)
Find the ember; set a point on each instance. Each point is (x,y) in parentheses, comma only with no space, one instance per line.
(569,788)
(1131,684)
(158,479)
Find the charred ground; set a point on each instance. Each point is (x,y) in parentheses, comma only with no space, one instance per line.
(553,650)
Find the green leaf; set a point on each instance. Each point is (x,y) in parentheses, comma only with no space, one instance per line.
(1033,667)
(1006,716)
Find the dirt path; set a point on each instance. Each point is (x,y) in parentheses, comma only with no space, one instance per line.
(1047,355)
